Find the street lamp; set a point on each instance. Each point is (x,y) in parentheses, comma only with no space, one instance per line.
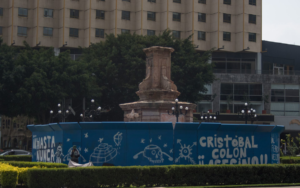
(248,114)
(62,114)
(89,114)
(177,110)
(208,117)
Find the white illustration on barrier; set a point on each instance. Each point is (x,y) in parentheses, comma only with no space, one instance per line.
(86,135)
(201,159)
(68,139)
(118,138)
(185,152)
(58,154)
(86,150)
(68,156)
(143,141)
(171,150)
(159,137)
(104,152)
(151,140)
(154,154)
(165,145)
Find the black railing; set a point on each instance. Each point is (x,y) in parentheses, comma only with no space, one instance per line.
(247,71)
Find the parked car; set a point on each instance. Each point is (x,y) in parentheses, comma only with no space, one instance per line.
(15,152)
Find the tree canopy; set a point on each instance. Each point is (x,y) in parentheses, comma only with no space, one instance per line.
(33,81)
(119,66)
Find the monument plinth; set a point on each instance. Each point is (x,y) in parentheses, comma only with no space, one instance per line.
(157,92)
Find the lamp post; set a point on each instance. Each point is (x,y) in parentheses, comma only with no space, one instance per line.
(208,117)
(62,114)
(89,114)
(248,114)
(177,110)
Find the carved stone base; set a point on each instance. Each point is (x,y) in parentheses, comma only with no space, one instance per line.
(157,95)
(157,111)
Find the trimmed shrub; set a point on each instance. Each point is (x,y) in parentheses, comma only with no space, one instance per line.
(38,164)
(16,158)
(289,160)
(175,175)
(9,178)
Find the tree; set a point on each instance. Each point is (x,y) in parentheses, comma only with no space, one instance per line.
(37,80)
(119,66)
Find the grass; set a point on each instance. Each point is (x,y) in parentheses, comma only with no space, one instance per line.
(246,185)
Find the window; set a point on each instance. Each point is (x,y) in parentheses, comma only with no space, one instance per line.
(150,32)
(22,31)
(201,17)
(252,2)
(227,18)
(176,34)
(48,13)
(99,33)
(48,31)
(252,37)
(226,36)
(74,32)
(176,16)
(201,35)
(176,1)
(100,14)
(152,1)
(125,31)
(74,13)
(227,2)
(285,100)
(126,0)
(151,16)
(23,12)
(252,18)
(125,15)
(202,1)
(239,93)
(1,11)
(0,30)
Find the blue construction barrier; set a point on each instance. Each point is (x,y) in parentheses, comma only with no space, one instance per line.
(156,143)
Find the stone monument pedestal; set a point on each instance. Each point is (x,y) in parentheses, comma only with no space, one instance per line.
(156,111)
(157,92)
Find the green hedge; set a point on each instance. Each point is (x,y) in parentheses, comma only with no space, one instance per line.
(163,175)
(9,179)
(16,158)
(21,164)
(289,160)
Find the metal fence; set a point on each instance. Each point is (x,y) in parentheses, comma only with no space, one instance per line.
(247,71)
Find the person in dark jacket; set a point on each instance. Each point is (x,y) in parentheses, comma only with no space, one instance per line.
(75,154)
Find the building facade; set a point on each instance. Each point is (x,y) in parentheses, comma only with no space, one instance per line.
(270,83)
(230,25)
(15,134)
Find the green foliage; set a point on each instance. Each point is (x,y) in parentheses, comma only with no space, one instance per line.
(291,146)
(16,158)
(9,178)
(34,81)
(289,160)
(38,164)
(175,175)
(119,66)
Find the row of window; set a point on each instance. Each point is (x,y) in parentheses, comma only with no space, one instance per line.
(100,14)
(48,31)
(227,2)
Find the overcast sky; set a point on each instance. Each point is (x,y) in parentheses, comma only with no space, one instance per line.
(281,21)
